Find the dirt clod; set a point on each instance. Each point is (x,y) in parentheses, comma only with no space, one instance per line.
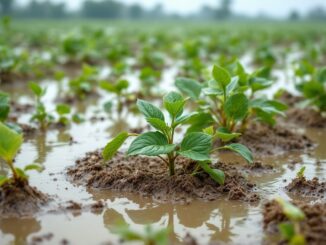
(307,188)
(20,199)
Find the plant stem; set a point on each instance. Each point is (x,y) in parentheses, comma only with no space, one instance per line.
(14,173)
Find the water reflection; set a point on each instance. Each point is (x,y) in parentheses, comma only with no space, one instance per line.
(216,221)
(20,229)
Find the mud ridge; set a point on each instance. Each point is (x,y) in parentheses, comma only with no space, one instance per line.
(20,199)
(149,177)
(263,140)
(313,226)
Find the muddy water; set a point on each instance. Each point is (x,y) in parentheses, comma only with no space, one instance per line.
(221,220)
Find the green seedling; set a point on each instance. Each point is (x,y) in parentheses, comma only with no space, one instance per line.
(300,173)
(232,101)
(196,146)
(119,89)
(291,230)
(4,112)
(148,78)
(313,89)
(85,83)
(40,115)
(149,236)
(65,117)
(10,143)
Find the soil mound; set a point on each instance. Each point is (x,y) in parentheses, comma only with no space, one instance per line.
(307,188)
(20,199)
(149,177)
(313,227)
(262,139)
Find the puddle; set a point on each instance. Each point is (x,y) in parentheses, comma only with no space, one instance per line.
(221,220)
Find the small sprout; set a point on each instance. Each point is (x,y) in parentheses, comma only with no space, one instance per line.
(4,112)
(300,173)
(40,115)
(291,230)
(63,111)
(10,143)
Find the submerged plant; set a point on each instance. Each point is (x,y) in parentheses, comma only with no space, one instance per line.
(149,236)
(161,143)
(290,230)
(10,143)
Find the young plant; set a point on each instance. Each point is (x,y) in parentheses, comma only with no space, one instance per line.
(40,115)
(84,84)
(232,100)
(313,89)
(10,143)
(148,78)
(300,173)
(119,90)
(290,230)
(148,237)
(4,112)
(161,143)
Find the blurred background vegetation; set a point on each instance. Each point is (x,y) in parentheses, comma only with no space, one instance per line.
(114,9)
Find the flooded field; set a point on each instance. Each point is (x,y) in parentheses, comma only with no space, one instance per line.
(80,214)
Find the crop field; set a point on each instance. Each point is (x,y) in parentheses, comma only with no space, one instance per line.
(119,132)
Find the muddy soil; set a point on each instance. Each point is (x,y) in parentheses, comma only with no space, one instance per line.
(305,117)
(263,140)
(313,227)
(307,188)
(149,177)
(20,199)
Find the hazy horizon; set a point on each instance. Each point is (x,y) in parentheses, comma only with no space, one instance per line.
(274,8)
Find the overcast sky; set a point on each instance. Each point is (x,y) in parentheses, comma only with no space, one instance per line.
(277,8)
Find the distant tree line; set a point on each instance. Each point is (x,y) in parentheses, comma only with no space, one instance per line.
(114,9)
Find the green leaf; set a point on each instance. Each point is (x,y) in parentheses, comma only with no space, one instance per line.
(149,110)
(113,146)
(225,135)
(150,144)
(269,106)
(109,87)
(196,146)
(36,167)
(21,174)
(286,230)
(122,84)
(213,91)
(3,180)
(174,103)
(241,150)
(232,85)
(209,130)
(216,174)
(10,143)
(4,106)
(189,87)
(236,107)
(158,124)
(292,212)
(300,173)
(259,83)
(184,119)
(108,107)
(221,76)
(36,89)
(298,239)
(63,109)
(200,121)
(76,118)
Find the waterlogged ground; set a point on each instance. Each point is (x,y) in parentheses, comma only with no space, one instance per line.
(221,220)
